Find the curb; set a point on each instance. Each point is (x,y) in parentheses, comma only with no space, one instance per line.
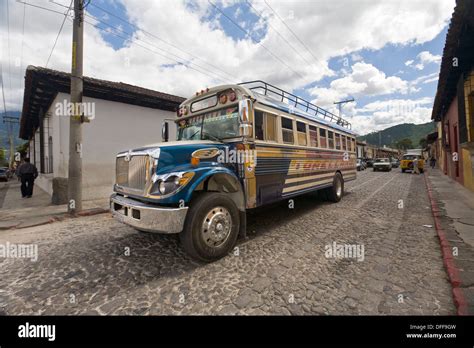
(57,218)
(451,268)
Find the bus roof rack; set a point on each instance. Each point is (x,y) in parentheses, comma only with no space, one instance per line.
(273,92)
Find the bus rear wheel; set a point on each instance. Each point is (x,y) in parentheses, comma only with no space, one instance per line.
(336,191)
(211,227)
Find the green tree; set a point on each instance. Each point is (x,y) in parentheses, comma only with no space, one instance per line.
(423,143)
(404,144)
(3,161)
(22,149)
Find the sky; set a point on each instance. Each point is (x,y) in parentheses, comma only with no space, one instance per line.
(384,54)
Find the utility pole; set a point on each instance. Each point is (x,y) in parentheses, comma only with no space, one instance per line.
(10,121)
(76,119)
(339,105)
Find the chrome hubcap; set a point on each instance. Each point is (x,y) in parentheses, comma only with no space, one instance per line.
(338,188)
(216,226)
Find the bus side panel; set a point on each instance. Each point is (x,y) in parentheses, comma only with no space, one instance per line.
(283,172)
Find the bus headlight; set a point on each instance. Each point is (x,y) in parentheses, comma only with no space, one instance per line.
(170,183)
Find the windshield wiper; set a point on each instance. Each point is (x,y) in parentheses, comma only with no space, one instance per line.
(192,136)
(210,136)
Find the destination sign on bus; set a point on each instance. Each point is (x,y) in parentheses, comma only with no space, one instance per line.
(203,104)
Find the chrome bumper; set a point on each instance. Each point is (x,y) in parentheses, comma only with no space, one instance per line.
(147,217)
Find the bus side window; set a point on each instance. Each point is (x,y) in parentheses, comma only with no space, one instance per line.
(322,138)
(258,125)
(313,136)
(344,142)
(330,140)
(270,127)
(353,144)
(287,130)
(338,141)
(301,131)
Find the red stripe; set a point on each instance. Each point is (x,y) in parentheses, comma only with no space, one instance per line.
(451,268)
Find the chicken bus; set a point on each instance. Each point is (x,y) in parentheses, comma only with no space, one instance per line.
(238,147)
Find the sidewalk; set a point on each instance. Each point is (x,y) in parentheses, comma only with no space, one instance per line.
(453,211)
(18,212)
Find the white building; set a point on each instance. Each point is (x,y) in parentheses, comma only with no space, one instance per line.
(124,117)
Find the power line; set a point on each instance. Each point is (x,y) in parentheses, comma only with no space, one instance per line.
(260,15)
(186,62)
(9,53)
(21,52)
(251,37)
(152,51)
(124,38)
(161,39)
(59,33)
(40,7)
(3,89)
(294,34)
(221,78)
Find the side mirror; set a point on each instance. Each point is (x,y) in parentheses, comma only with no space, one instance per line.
(245,129)
(165,131)
(245,109)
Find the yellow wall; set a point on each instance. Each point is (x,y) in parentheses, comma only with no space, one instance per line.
(466,153)
(440,148)
(467,169)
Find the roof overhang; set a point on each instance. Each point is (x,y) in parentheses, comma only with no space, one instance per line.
(42,85)
(458,56)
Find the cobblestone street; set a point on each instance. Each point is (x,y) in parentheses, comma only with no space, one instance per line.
(95,265)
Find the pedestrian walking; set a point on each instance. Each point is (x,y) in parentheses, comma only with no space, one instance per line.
(415,166)
(27,173)
(432,162)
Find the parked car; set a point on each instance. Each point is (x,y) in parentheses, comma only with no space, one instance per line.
(382,164)
(395,163)
(4,174)
(369,162)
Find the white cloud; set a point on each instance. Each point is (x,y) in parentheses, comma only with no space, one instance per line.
(427,57)
(383,114)
(364,79)
(366,25)
(422,59)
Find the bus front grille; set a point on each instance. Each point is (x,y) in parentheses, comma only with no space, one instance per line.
(132,173)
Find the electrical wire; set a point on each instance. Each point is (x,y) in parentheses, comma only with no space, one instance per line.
(126,39)
(59,33)
(252,38)
(187,64)
(162,40)
(260,15)
(294,34)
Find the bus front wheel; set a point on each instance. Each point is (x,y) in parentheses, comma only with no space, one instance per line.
(211,227)
(336,191)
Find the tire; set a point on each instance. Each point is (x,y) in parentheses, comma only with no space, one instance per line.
(375,170)
(333,193)
(421,171)
(210,210)
(403,170)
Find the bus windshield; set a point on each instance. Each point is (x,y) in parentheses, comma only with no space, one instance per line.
(215,125)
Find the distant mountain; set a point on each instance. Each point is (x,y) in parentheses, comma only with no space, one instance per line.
(393,134)
(4,142)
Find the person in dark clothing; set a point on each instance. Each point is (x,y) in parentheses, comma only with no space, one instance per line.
(27,173)
(432,162)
